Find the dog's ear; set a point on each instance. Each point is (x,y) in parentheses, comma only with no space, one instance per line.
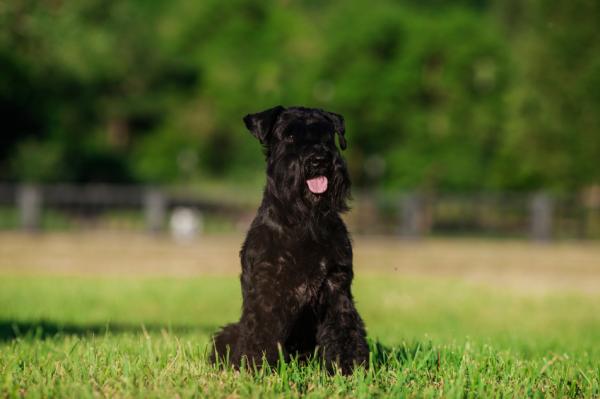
(261,123)
(340,127)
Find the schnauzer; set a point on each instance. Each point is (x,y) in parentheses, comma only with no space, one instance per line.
(297,256)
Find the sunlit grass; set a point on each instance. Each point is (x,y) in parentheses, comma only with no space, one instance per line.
(148,337)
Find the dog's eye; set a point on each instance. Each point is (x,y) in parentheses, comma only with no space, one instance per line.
(289,138)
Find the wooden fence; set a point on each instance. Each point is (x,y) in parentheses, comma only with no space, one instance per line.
(539,216)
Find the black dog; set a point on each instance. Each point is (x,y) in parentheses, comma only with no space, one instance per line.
(297,257)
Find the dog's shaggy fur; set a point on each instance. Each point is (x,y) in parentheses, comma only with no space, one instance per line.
(297,256)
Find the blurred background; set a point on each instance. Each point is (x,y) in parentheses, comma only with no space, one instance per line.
(467,117)
(128,179)
(472,117)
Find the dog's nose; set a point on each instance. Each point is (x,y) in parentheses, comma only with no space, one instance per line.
(318,160)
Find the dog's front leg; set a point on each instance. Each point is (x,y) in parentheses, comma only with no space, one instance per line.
(341,333)
(267,316)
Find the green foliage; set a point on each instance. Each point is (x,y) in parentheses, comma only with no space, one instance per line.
(470,95)
(420,95)
(149,337)
(553,134)
(164,157)
(36,161)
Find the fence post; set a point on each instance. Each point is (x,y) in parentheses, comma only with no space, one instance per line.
(541,212)
(29,201)
(155,209)
(412,216)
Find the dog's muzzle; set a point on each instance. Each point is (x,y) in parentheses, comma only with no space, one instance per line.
(317,167)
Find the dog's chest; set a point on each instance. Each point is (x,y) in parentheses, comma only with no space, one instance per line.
(306,278)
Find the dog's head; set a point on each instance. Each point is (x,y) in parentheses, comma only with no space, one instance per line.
(304,166)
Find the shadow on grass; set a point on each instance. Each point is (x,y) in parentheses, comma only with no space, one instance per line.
(416,353)
(42,329)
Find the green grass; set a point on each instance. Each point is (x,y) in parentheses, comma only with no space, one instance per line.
(432,337)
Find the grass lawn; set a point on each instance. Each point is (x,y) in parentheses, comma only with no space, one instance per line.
(84,335)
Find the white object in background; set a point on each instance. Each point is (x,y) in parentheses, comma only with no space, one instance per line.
(185,224)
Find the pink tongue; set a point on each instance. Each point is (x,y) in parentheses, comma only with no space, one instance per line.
(317,185)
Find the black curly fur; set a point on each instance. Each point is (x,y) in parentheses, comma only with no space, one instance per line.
(297,256)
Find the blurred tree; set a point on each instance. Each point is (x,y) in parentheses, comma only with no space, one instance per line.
(424,94)
(464,95)
(86,74)
(554,124)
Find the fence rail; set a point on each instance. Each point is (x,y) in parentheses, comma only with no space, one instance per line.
(539,216)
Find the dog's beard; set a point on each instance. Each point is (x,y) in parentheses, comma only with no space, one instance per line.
(305,198)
